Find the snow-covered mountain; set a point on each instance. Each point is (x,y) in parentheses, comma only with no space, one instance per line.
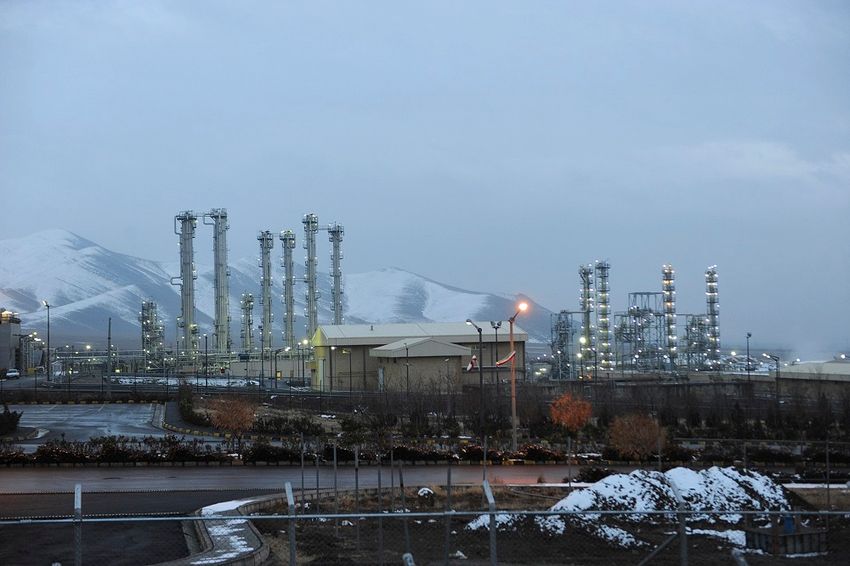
(86,284)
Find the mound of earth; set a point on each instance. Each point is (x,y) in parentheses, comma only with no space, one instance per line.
(715,494)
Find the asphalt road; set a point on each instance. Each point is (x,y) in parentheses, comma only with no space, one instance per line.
(82,422)
(114,479)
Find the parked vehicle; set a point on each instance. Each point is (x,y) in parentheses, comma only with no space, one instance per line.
(13,374)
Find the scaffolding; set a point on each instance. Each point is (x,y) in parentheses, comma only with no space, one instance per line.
(153,337)
(563,331)
(695,341)
(640,332)
(287,243)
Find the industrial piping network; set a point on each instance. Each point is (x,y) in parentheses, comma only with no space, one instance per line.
(646,334)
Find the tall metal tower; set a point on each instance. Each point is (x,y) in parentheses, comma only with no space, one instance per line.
(603,316)
(646,320)
(153,334)
(712,312)
(586,348)
(266,243)
(287,242)
(695,341)
(668,291)
(335,232)
(221,327)
(187,221)
(247,306)
(563,331)
(311,226)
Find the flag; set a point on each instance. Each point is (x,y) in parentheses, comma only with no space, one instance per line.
(472,364)
(506,359)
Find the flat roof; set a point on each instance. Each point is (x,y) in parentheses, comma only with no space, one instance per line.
(382,334)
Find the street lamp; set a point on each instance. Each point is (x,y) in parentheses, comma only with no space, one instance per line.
(520,308)
(47,368)
(749,335)
(480,376)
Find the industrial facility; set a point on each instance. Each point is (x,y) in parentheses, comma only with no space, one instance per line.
(642,339)
(253,357)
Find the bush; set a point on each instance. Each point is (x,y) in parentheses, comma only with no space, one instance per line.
(265,452)
(593,474)
(186,403)
(9,420)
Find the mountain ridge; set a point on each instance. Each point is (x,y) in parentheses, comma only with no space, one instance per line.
(85,284)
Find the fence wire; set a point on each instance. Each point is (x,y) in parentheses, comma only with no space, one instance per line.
(439,525)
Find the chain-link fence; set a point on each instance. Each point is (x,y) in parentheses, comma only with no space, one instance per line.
(446,524)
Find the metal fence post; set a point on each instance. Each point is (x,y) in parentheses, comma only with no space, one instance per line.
(448,509)
(404,507)
(357,494)
(336,496)
(683,528)
(303,501)
(78,525)
(290,502)
(491,506)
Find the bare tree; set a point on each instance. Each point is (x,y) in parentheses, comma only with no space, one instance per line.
(233,415)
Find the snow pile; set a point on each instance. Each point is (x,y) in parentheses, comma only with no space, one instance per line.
(716,494)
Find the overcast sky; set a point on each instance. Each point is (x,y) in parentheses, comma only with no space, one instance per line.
(489,145)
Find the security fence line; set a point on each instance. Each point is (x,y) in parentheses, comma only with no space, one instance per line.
(231,535)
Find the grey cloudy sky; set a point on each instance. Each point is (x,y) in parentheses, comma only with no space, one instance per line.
(489,145)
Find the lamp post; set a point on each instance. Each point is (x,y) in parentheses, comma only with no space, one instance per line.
(520,308)
(480,377)
(749,335)
(407,368)
(47,367)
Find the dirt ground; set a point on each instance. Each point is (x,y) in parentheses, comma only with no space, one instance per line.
(375,541)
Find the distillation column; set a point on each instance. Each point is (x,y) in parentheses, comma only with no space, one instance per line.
(287,242)
(585,272)
(186,321)
(712,313)
(247,306)
(221,329)
(603,314)
(266,243)
(668,291)
(335,232)
(311,226)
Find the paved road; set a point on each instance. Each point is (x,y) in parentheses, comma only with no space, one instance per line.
(112,479)
(81,422)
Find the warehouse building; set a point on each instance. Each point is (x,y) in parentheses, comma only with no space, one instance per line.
(414,357)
